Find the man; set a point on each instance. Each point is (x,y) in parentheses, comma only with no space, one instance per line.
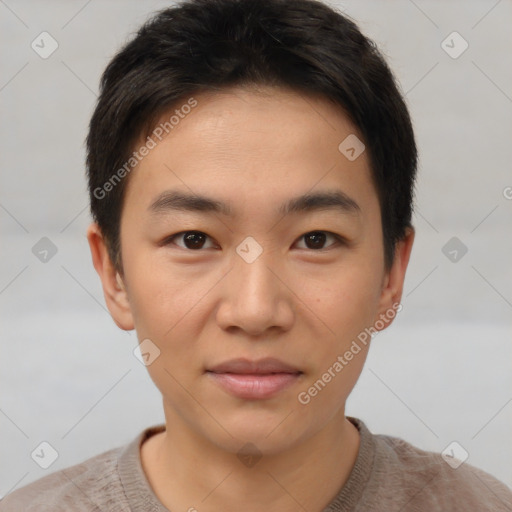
(251,169)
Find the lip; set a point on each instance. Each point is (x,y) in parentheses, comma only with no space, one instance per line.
(254,380)
(262,366)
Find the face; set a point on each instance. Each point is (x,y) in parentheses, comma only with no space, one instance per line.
(282,259)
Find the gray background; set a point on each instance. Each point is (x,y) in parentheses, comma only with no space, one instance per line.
(440,373)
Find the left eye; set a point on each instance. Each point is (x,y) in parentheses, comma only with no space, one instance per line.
(195,240)
(316,238)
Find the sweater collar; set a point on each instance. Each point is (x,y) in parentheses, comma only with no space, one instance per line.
(142,498)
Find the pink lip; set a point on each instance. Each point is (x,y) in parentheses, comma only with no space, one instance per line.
(254,379)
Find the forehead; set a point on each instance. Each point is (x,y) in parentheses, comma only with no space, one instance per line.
(239,144)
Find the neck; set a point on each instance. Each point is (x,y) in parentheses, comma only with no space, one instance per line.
(191,473)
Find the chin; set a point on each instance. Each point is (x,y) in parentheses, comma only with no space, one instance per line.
(261,431)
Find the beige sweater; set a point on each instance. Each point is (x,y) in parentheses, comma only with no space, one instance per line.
(389,475)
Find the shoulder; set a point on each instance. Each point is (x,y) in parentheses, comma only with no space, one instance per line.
(79,488)
(427,481)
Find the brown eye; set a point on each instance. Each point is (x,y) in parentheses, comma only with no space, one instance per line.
(316,239)
(192,240)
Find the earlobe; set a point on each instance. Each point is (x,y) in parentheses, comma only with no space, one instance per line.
(114,289)
(392,290)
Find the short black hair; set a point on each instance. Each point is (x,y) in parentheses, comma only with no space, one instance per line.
(207,45)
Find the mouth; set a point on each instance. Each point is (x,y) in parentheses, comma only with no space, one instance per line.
(254,380)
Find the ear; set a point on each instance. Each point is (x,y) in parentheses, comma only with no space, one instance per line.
(393,282)
(114,288)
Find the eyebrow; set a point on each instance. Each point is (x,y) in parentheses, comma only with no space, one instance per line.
(323,200)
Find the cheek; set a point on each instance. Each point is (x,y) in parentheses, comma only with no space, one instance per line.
(170,305)
(160,302)
(164,306)
(345,307)
(154,295)
(347,302)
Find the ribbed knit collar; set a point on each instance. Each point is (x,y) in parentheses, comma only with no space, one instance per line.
(142,498)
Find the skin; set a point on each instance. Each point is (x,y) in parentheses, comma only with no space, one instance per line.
(254,148)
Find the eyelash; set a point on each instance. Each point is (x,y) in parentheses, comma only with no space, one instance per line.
(339,239)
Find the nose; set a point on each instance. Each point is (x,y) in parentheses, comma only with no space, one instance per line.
(256,298)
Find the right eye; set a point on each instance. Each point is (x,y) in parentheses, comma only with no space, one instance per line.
(192,240)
